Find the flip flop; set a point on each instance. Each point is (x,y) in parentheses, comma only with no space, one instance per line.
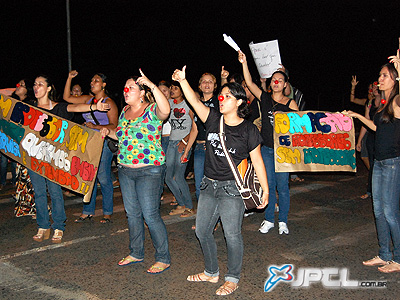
(160,269)
(131,261)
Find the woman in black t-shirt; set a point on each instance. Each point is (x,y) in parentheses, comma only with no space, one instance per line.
(219,196)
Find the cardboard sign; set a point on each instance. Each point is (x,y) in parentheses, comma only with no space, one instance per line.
(313,141)
(60,150)
(267,57)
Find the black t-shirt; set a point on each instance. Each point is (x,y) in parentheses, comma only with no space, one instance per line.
(213,103)
(387,138)
(268,107)
(240,140)
(254,109)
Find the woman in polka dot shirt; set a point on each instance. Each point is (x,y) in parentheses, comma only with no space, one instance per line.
(141,164)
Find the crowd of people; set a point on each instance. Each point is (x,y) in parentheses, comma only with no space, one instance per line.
(159,127)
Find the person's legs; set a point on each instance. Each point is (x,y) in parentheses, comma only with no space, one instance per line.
(198,166)
(282,184)
(104,178)
(3,169)
(172,161)
(268,158)
(42,211)
(382,226)
(181,182)
(231,210)
(57,206)
(207,217)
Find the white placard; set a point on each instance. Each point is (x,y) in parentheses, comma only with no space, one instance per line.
(267,57)
(231,42)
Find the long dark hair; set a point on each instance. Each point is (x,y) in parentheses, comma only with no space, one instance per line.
(238,92)
(387,111)
(30,96)
(53,93)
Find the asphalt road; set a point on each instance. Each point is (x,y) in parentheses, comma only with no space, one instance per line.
(331,230)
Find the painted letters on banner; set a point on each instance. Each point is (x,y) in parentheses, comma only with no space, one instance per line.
(314,141)
(59,150)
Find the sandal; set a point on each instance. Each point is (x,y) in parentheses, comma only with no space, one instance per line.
(83,219)
(365,196)
(376,261)
(57,237)
(390,267)
(105,220)
(130,260)
(201,277)
(227,288)
(157,269)
(297,179)
(173,203)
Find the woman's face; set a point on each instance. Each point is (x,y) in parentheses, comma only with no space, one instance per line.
(40,88)
(278,82)
(133,93)
(229,102)
(386,83)
(76,90)
(176,92)
(21,89)
(165,90)
(207,84)
(97,84)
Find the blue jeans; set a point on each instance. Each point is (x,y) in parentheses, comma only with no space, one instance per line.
(385,193)
(164,145)
(106,185)
(175,175)
(198,166)
(140,193)
(3,173)
(276,181)
(220,199)
(40,186)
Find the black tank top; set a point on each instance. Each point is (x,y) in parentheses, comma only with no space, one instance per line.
(387,138)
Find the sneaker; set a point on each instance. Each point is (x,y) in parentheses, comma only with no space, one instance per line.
(283,228)
(177,211)
(188,212)
(248,214)
(265,226)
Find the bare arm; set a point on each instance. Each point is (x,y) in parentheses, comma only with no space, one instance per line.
(112,115)
(191,138)
(247,77)
(259,167)
(363,119)
(67,91)
(163,108)
(201,110)
(101,106)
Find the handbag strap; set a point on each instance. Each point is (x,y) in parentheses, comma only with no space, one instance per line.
(235,171)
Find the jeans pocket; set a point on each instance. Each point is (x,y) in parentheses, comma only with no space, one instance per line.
(231,190)
(203,185)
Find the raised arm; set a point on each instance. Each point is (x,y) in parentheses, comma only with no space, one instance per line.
(163,108)
(247,77)
(201,110)
(67,91)
(358,101)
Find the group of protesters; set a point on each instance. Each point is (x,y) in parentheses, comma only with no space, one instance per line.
(194,117)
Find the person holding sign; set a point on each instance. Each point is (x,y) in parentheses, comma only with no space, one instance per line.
(140,168)
(219,197)
(45,94)
(271,103)
(386,169)
(97,121)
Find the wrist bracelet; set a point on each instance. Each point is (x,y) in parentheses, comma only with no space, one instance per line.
(183,141)
(152,89)
(91,107)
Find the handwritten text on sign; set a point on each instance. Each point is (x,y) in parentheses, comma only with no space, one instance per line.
(314,141)
(57,149)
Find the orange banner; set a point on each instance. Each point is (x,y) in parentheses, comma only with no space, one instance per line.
(59,150)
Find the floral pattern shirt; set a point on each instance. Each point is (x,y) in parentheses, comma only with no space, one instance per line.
(140,139)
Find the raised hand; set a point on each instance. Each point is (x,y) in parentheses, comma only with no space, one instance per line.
(103,106)
(72,74)
(143,80)
(242,57)
(395,59)
(224,73)
(354,81)
(179,75)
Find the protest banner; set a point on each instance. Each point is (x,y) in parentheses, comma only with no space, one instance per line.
(313,141)
(266,57)
(59,150)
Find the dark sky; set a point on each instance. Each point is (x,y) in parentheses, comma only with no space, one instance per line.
(322,45)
